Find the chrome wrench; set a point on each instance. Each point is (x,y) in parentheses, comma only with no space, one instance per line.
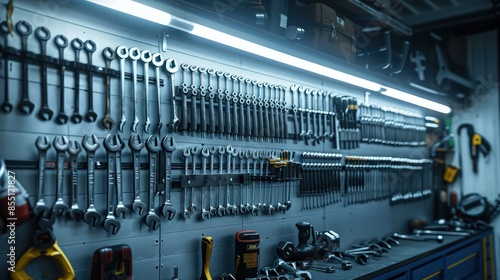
(205,214)
(91,216)
(146,59)
(212,150)
(153,146)
(111,224)
(122,53)
(169,146)
(186,153)
(172,68)
(42,144)
(194,152)
(107,121)
(157,60)
(136,144)
(135,55)
(61,145)
(73,150)
(221,211)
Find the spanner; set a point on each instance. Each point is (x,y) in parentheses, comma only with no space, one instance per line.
(172,68)
(255,208)
(61,144)
(153,147)
(43,35)
(136,144)
(61,42)
(230,209)
(157,60)
(221,211)
(236,209)
(212,150)
(135,55)
(91,216)
(205,214)
(6,106)
(194,152)
(146,59)
(42,144)
(90,47)
(242,208)
(107,121)
(186,153)
(111,224)
(73,150)
(169,146)
(121,210)
(25,105)
(122,53)
(220,108)
(194,93)
(211,105)
(77,46)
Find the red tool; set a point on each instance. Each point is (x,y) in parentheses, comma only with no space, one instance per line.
(113,262)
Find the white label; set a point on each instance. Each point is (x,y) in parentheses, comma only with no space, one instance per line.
(283,21)
(341,21)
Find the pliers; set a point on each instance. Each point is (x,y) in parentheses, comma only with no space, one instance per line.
(45,244)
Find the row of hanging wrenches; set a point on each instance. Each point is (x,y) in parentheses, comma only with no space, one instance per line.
(231,106)
(391,126)
(224,181)
(320,115)
(321,183)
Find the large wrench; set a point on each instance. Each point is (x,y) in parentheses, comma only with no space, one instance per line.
(153,147)
(221,211)
(42,144)
(157,60)
(172,68)
(230,209)
(122,53)
(107,121)
(61,144)
(77,46)
(73,151)
(43,35)
(135,55)
(212,150)
(194,93)
(120,210)
(186,153)
(136,144)
(25,105)
(91,216)
(111,224)
(146,59)
(90,47)
(194,152)
(169,146)
(61,42)
(211,107)
(205,214)
(6,106)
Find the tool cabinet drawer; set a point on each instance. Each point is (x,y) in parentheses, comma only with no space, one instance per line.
(433,270)
(403,276)
(464,263)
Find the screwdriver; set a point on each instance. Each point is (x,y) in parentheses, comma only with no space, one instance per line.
(206,253)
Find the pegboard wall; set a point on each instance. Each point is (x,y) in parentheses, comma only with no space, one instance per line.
(176,242)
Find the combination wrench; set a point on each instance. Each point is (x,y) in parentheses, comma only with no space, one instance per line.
(211,105)
(61,144)
(120,210)
(135,55)
(205,214)
(73,150)
(157,61)
(122,53)
(146,59)
(230,209)
(43,35)
(136,144)
(203,103)
(242,208)
(61,42)
(221,211)
(6,106)
(194,93)
(172,67)
(25,105)
(186,153)
(184,94)
(91,216)
(194,152)
(77,46)
(212,150)
(90,47)
(220,108)
(107,121)
(169,146)
(42,143)
(111,224)
(153,146)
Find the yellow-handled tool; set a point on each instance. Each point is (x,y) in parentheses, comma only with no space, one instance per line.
(206,253)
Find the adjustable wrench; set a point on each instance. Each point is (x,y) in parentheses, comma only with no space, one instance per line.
(75,212)
(122,53)
(61,144)
(186,153)
(43,35)
(61,42)
(212,150)
(111,224)
(77,46)
(91,216)
(221,211)
(169,146)
(157,60)
(42,144)
(146,59)
(135,55)
(25,105)
(194,152)
(211,106)
(153,147)
(194,93)
(136,144)
(90,47)
(230,209)
(107,121)
(172,67)
(205,214)
(6,106)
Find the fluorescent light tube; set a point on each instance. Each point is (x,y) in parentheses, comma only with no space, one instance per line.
(137,9)
(394,93)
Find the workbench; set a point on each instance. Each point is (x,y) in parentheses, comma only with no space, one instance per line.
(470,257)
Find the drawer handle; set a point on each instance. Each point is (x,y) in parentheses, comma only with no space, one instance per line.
(462,260)
(432,275)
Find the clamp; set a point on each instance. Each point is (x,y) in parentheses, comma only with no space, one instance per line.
(45,244)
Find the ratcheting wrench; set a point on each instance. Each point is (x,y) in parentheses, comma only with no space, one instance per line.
(73,150)
(111,224)
(42,144)
(91,216)
(135,55)
(146,59)
(107,121)
(122,53)
(172,68)
(61,144)
(157,60)
(169,146)
(153,147)
(136,144)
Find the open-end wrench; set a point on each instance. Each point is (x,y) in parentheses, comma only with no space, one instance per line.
(146,59)
(277,127)
(169,146)
(121,210)
(25,105)
(61,42)
(220,108)
(73,150)
(172,68)
(136,144)
(205,214)
(211,106)
(186,153)
(43,35)
(238,101)
(122,53)
(111,224)
(255,120)
(153,146)
(194,93)
(42,144)
(194,152)
(6,106)
(91,216)
(236,210)
(90,47)
(308,110)
(301,111)
(61,144)
(252,209)
(134,55)
(261,112)
(212,150)
(203,103)
(221,211)
(242,208)
(271,210)
(157,61)
(256,156)
(248,110)
(313,112)
(229,153)
(228,127)
(107,121)
(77,46)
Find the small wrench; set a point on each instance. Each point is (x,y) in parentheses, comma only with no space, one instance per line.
(107,121)
(61,144)
(73,150)
(6,106)
(91,216)
(135,55)
(42,144)
(122,53)
(136,144)
(146,59)
(153,147)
